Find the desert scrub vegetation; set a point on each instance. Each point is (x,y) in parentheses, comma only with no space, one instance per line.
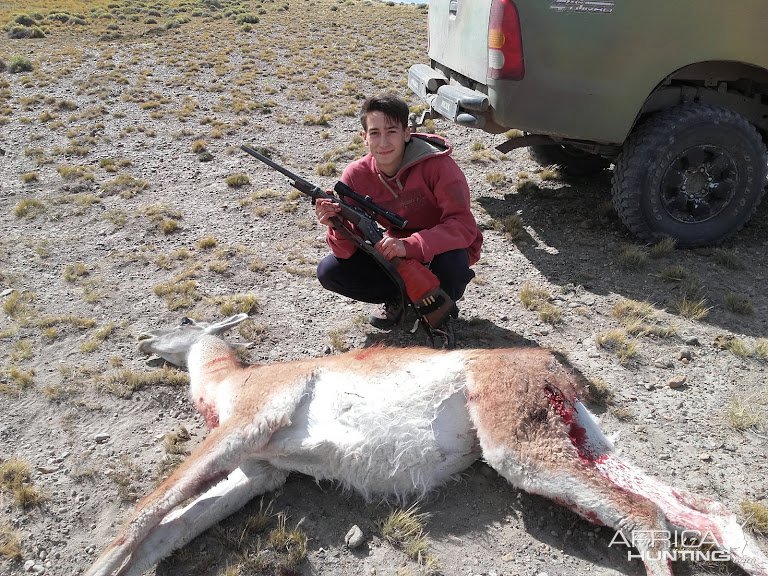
(17,306)
(742,348)
(207,243)
(237,304)
(19,64)
(326,169)
(600,392)
(97,338)
(237,180)
(278,548)
(511,226)
(163,217)
(180,292)
(747,411)
(29,208)
(692,307)
(641,319)
(10,542)
(496,178)
(29,177)
(125,185)
(662,248)
(125,382)
(404,529)
(538,298)
(16,480)
(75,271)
(632,257)
(618,342)
(738,304)
(14,379)
(755,516)
(70,172)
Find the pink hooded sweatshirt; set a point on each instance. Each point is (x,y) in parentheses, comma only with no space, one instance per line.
(429,191)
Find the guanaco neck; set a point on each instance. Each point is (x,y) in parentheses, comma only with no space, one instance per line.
(211,360)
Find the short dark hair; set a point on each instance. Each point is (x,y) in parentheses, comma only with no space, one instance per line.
(392,106)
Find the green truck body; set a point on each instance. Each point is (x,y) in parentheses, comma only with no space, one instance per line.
(593,73)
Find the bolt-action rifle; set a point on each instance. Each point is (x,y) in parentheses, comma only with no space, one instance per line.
(417,284)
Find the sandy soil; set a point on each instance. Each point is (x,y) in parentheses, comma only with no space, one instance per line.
(93,261)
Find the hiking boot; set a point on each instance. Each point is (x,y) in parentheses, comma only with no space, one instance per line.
(389,316)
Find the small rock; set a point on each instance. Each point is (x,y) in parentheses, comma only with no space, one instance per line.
(705,457)
(101,438)
(692,341)
(7,292)
(685,356)
(28,565)
(354,537)
(677,381)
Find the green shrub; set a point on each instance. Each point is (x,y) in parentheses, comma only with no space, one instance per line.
(247,19)
(19,64)
(18,32)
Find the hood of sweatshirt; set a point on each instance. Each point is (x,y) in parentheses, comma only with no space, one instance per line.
(419,148)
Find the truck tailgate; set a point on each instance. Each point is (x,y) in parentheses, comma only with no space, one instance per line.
(458,36)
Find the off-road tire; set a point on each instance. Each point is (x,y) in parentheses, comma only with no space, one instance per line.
(572,162)
(695,173)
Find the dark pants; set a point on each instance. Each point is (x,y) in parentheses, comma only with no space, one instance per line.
(361,278)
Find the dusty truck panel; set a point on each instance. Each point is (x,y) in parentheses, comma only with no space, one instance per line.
(674,94)
(454,28)
(590,74)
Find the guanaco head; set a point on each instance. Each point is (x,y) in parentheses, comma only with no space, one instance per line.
(173,344)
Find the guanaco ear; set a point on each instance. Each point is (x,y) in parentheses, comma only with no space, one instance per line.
(226,324)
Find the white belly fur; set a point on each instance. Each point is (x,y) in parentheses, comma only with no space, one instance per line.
(400,433)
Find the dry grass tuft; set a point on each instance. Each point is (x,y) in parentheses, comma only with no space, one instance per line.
(16,479)
(237,180)
(747,411)
(756,516)
(10,542)
(641,319)
(125,382)
(537,298)
(632,257)
(691,307)
(405,530)
(237,304)
(618,342)
(600,392)
(512,226)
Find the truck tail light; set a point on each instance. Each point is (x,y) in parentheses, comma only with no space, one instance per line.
(505,43)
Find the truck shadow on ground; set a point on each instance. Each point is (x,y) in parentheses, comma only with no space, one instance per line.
(573,236)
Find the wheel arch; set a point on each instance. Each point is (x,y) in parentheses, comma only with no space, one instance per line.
(738,86)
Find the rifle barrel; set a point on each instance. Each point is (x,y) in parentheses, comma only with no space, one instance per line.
(316,192)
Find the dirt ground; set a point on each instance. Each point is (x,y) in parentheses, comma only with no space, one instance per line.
(123,207)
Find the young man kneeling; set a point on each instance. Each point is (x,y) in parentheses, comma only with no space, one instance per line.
(414,176)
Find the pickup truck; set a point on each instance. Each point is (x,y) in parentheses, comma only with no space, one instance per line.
(673,94)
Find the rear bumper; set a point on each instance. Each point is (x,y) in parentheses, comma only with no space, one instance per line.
(457,103)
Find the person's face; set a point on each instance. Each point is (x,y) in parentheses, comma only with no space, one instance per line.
(386,140)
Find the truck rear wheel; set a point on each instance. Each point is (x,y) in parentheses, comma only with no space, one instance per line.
(695,173)
(572,162)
